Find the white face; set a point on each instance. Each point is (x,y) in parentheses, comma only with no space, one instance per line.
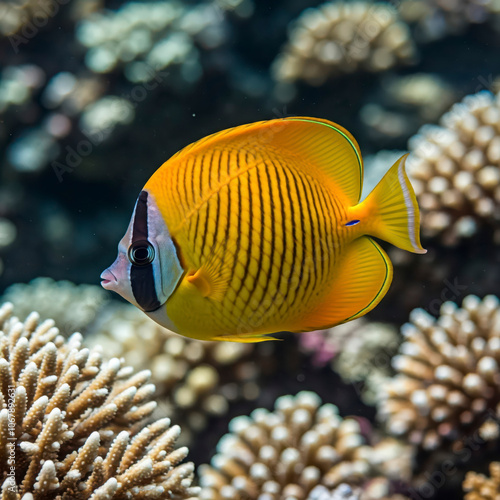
(147,268)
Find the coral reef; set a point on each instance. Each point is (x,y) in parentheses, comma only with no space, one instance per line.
(401,104)
(287,453)
(194,379)
(73,426)
(359,351)
(343,37)
(149,37)
(455,169)
(437,18)
(365,358)
(56,300)
(448,380)
(480,487)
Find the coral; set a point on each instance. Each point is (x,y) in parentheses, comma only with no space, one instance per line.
(376,489)
(402,104)
(56,299)
(194,379)
(436,18)
(287,453)
(455,169)
(17,84)
(448,381)
(14,16)
(360,351)
(479,487)
(149,37)
(343,37)
(73,426)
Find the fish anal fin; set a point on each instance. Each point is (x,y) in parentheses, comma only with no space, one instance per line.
(245,339)
(361,280)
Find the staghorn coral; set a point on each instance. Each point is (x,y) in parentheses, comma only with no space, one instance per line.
(455,169)
(194,379)
(343,37)
(73,426)
(480,487)
(286,453)
(448,381)
(55,299)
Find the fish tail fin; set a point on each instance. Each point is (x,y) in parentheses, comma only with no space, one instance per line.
(391,210)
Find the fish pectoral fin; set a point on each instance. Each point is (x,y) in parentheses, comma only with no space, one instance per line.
(361,280)
(209,283)
(213,277)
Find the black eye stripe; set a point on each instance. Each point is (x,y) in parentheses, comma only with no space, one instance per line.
(141,277)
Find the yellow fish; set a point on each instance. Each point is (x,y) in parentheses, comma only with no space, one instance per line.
(259,229)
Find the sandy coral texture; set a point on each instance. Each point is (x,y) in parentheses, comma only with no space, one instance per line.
(448,380)
(194,380)
(480,487)
(455,169)
(72,426)
(288,453)
(343,37)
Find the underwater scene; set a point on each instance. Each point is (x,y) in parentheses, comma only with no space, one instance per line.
(249,249)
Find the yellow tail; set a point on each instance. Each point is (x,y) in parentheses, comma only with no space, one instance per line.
(391,212)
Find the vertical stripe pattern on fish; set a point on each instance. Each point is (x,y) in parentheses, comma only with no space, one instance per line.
(268,232)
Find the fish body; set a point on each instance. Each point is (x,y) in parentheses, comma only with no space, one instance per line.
(262,231)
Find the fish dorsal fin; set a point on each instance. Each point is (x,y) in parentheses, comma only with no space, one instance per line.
(327,147)
(320,147)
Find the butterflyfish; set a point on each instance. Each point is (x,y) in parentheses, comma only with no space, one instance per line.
(260,229)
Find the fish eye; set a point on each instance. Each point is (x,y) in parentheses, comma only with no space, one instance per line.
(141,253)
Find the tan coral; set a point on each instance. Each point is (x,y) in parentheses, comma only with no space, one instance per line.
(375,489)
(55,300)
(194,379)
(455,169)
(343,37)
(437,18)
(480,487)
(286,453)
(360,351)
(448,382)
(73,426)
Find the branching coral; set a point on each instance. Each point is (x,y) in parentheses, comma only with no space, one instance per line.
(455,169)
(147,37)
(437,18)
(343,37)
(194,380)
(480,487)
(73,426)
(448,382)
(287,453)
(56,299)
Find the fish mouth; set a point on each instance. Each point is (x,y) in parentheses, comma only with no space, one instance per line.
(108,279)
